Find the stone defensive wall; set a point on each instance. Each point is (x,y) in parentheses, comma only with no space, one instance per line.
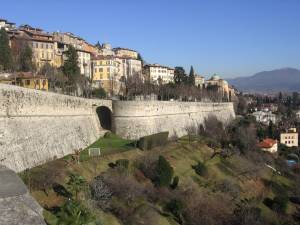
(134,119)
(37,126)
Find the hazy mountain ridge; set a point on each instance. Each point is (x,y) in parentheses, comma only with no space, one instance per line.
(285,79)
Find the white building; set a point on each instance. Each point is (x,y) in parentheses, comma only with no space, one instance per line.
(199,81)
(7,25)
(84,60)
(156,73)
(298,115)
(264,117)
(129,66)
(289,138)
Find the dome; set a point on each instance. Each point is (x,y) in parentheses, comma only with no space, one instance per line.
(215,77)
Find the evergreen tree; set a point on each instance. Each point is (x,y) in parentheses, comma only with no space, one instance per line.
(164,172)
(271,130)
(295,100)
(6,61)
(70,67)
(192,76)
(179,75)
(25,59)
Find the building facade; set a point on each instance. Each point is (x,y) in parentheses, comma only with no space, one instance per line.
(106,74)
(6,25)
(199,81)
(264,117)
(156,73)
(41,43)
(126,53)
(26,80)
(289,138)
(84,51)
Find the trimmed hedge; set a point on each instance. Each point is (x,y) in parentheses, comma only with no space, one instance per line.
(152,141)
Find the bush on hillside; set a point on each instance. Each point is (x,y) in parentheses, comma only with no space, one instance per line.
(278,204)
(175,207)
(164,172)
(152,141)
(200,169)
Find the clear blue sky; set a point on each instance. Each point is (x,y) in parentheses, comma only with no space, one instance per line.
(228,37)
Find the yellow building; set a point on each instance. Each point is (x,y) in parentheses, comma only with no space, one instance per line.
(27,80)
(106,73)
(42,45)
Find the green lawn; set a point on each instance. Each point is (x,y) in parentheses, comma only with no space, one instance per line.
(109,144)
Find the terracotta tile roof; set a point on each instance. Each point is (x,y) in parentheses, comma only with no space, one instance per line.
(267,143)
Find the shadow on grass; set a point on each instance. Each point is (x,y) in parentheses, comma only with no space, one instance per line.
(61,190)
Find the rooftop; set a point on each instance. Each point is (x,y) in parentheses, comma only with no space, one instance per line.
(267,143)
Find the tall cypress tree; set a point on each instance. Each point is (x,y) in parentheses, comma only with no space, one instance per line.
(164,172)
(70,67)
(6,61)
(192,76)
(25,59)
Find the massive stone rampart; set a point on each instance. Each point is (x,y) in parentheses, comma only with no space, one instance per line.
(37,126)
(134,119)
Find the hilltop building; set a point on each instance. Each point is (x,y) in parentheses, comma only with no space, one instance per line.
(42,43)
(84,51)
(7,25)
(156,73)
(289,138)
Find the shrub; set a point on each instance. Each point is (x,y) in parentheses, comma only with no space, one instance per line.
(200,169)
(278,204)
(152,141)
(175,207)
(73,212)
(99,93)
(164,172)
(76,184)
(175,182)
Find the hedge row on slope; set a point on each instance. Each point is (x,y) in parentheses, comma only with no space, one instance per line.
(152,141)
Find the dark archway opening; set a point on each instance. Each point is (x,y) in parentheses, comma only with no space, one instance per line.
(104,115)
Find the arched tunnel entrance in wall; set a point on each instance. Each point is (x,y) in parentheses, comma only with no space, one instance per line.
(105,117)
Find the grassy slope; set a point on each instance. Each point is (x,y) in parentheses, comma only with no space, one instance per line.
(182,156)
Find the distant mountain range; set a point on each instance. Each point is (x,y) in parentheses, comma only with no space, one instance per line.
(285,80)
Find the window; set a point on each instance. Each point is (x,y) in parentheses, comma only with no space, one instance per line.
(100,69)
(107,69)
(27,82)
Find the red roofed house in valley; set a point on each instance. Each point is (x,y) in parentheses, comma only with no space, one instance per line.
(269,145)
